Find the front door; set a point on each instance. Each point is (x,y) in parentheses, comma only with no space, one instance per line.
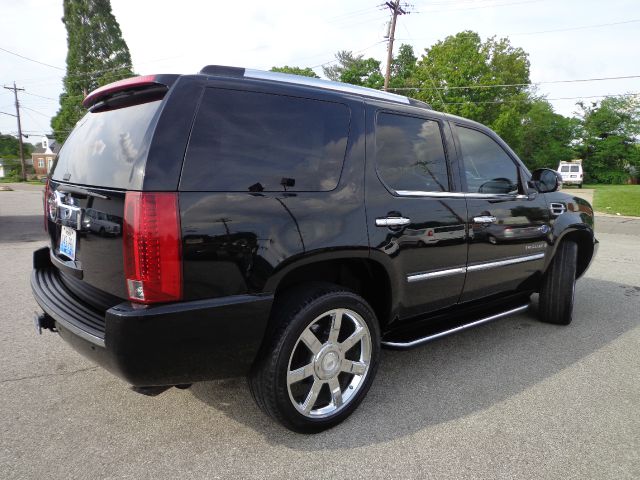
(508,225)
(416,222)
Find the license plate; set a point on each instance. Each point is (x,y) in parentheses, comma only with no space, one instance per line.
(573,176)
(68,242)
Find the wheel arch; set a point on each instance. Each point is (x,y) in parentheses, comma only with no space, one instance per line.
(358,273)
(584,237)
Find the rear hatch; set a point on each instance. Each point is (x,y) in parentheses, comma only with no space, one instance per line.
(102,159)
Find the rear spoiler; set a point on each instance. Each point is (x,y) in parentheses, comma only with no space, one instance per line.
(129,91)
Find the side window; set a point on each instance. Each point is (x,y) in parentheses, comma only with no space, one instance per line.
(410,154)
(250,141)
(487,166)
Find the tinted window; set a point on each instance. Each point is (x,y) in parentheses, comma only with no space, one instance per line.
(564,168)
(249,141)
(109,148)
(487,166)
(410,154)
(575,168)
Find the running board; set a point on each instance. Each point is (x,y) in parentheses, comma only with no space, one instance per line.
(444,333)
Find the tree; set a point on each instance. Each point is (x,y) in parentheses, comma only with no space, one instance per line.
(545,137)
(465,76)
(403,68)
(96,55)
(10,147)
(305,72)
(356,70)
(609,142)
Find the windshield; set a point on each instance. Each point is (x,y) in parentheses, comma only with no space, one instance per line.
(108,149)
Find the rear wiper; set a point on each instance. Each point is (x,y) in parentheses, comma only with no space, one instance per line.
(80,192)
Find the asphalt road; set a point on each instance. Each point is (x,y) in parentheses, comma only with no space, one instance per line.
(512,399)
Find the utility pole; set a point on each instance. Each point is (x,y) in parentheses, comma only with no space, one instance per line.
(396,10)
(15,94)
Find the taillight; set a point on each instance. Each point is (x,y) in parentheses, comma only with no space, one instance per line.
(152,251)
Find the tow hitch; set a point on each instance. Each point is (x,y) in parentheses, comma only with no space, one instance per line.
(43,321)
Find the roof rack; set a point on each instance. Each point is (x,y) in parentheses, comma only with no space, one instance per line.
(238,72)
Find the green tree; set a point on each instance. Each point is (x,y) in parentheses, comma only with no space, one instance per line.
(96,55)
(609,134)
(465,76)
(10,147)
(546,137)
(356,70)
(305,72)
(403,69)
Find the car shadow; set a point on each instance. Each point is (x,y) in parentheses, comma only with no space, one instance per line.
(452,377)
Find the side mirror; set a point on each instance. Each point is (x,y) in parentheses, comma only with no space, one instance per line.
(545,180)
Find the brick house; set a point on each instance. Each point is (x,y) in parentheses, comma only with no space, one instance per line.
(43,156)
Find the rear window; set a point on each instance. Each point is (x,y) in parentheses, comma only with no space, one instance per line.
(250,141)
(108,149)
(575,168)
(564,168)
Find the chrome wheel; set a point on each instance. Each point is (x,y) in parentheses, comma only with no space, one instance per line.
(329,363)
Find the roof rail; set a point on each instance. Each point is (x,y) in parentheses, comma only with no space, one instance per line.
(326,84)
(239,72)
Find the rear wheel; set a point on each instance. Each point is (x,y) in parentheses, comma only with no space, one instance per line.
(558,286)
(320,361)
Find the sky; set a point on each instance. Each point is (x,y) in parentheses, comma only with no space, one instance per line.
(565,39)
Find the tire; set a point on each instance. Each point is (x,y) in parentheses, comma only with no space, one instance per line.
(579,185)
(558,286)
(307,376)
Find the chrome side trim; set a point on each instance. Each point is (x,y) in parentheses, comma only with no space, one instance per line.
(392,221)
(444,333)
(320,83)
(439,273)
(502,263)
(499,196)
(419,193)
(416,277)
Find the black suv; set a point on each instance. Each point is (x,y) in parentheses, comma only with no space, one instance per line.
(286,228)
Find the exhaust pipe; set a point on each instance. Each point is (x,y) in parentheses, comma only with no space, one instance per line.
(43,321)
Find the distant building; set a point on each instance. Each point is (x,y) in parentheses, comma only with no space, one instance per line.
(1,169)
(43,156)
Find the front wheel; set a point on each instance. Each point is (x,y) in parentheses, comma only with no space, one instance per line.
(558,286)
(321,360)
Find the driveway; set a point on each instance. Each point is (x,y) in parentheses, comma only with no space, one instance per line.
(512,399)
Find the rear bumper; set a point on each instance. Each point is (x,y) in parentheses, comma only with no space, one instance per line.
(156,345)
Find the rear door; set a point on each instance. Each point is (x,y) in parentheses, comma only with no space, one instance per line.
(416,217)
(508,225)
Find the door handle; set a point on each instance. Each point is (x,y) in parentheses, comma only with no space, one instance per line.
(392,221)
(485,219)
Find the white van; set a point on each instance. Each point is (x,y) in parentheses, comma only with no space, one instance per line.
(571,172)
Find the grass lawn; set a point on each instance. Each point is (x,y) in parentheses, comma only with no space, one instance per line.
(622,199)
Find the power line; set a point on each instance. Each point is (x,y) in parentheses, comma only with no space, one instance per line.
(505,85)
(486,6)
(30,59)
(566,29)
(36,111)
(548,99)
(41,96)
